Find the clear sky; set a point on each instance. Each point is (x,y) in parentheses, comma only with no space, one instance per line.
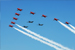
(14,40)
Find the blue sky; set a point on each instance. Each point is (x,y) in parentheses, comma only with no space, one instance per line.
(14,40)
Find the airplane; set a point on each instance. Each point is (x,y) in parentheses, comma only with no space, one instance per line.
(30,21)
(56,19)
(44,16)
(67,23)
(19,9)
(14,18)
(17,14)
(10,26)
(32,13)
(12,22)
(40,24)
(25,26)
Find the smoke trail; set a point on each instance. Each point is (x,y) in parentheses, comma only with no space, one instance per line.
(72,26)
(38,39)
(67,27)
(50,41)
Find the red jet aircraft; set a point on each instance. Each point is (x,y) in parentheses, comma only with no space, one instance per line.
(12,22)
(19,9)
(67,23)
(56,19)
(32,13)
(14,18)
(10,26)
(44,16)
(17,14)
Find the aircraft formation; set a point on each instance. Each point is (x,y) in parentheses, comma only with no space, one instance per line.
(18,9)
(14,18)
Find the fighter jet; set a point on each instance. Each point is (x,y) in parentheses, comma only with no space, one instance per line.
(25,26)
(12,22)
(19,9)
(56,19)
(44,16)
(67,23)
(10,26)
(14,18)
(17,14)
(32,13)
(30,21)
(40,24)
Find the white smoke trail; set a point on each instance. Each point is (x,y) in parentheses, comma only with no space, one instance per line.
(67,27)
(72,26)
(50,41)
(38,39)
